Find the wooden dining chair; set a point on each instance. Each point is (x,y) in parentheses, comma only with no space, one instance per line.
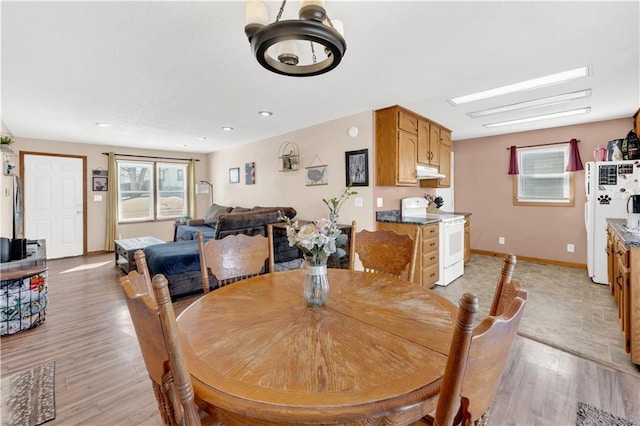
(477,358)
(155,325)
(234,257)
(385,252)
(506,289)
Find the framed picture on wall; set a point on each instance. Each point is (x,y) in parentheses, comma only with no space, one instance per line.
(250,173)
(234,175)
(357,167)
(99,183)
(316,175)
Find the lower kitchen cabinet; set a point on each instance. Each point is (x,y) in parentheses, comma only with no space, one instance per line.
(427,263)
(624,283)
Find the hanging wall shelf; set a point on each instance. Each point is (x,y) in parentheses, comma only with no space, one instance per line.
(9,158)
(288,157)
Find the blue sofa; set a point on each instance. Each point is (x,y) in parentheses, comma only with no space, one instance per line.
(179,261)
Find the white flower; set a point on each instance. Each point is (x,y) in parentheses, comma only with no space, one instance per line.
(317,240)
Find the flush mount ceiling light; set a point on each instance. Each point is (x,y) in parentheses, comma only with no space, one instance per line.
(103,124)
(265,113)
(552,100)
(540,117)
(227,128)
(535,83)
(310,45)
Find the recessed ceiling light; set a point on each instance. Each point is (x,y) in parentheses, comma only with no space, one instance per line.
(103,124)
(552,100)
(202,138)
(227,128)
(265,113)
(524,85)
(540,117)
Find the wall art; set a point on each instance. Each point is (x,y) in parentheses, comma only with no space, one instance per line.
(357,167)
(317,175)
(99,183)
(250,173)
(234,175)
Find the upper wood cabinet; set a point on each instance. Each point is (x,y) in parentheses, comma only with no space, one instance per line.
(396,147)
(444,153)
(428,151)
(636,122)
(405,139)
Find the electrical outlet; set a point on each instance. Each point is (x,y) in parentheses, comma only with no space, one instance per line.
(379,202)
(500,240)
(570,248)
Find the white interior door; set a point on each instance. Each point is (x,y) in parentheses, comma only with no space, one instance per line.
(54,203)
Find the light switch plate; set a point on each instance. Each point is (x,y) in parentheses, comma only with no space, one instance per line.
(97,198)
(357,201)
(379,202)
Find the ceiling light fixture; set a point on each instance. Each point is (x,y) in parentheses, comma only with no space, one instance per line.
(103,124)
(202,138)
(278,46)
(524,85)
(552,100)
(227,128)
(540,117)
(265,113)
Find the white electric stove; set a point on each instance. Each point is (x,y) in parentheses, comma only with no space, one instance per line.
(451,251)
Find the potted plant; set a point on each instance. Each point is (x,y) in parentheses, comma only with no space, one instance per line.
(6,141)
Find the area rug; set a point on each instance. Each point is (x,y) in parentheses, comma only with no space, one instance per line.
(588,415)
(28,396)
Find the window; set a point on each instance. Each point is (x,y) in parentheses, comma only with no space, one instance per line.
(151,191)
(543,179)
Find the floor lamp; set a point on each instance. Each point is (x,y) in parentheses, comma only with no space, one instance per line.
(205,187)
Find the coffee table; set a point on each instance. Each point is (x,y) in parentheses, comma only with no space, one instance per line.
(125,249)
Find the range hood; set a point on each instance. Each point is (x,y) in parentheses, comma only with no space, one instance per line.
(425,172)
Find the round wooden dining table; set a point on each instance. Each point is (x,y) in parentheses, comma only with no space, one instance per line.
(374,354)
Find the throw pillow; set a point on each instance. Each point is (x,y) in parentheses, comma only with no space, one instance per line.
(211,217)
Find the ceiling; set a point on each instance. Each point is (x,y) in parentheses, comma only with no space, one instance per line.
(165,74)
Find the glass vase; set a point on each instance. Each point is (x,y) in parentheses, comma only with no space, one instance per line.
(316,285)
(333,217)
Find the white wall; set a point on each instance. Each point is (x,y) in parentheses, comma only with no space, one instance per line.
(328,141)
(96,210)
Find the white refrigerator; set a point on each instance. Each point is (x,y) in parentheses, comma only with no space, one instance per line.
(608,185)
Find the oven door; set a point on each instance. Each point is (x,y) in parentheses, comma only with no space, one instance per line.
(452,240)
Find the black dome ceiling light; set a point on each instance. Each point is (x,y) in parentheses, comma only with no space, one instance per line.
(310,45)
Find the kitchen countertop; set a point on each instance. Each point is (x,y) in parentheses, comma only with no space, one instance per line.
(394,216)
(629,239)
(36,256)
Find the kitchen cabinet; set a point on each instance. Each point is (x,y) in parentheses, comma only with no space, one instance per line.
(444,163)
(467,239)
(405,139)
(428,143)
(636,122)
(624,284)
(427,271)
(396,147)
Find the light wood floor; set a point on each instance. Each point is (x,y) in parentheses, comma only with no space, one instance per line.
(101,378)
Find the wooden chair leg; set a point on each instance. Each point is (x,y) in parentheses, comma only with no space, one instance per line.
(164,403)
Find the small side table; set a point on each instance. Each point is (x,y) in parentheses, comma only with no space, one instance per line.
(125,249)
(283,250)
(23,299)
